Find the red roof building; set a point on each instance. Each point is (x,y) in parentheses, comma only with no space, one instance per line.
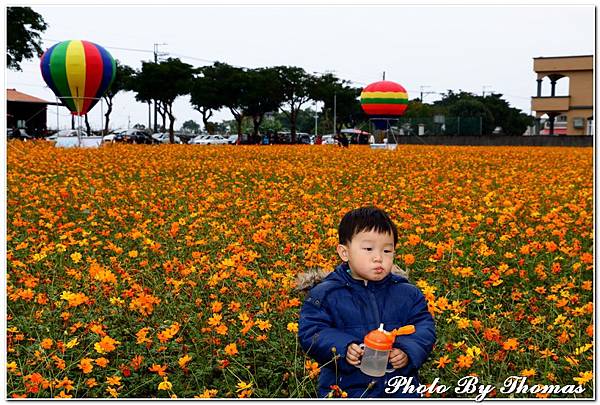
(25,111)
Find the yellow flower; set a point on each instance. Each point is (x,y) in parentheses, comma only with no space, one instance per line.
(113,380)
(72,343)
(292,327)
(263,325)
(584,377)
(12,366)
(113,392)
(207,394)
(215,319)
(76,257)
(165,385)
(474,351)
(528,372)
(243,386)
(133,253)
(183,361)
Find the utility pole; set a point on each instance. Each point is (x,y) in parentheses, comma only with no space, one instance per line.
(156,55)
(484,87)
(316,118)
(384,75)
(424,93)
(334,113)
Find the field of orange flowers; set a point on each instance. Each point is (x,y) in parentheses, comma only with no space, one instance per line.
(163,271)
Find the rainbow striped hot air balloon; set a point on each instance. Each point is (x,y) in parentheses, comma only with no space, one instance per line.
(78,72)
(384,99)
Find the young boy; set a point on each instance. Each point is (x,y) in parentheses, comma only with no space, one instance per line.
(355,299)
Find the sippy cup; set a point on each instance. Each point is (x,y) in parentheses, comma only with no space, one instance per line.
(377,345)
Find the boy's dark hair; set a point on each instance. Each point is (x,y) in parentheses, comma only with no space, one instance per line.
(365,219)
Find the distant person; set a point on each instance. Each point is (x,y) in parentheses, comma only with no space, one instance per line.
(372,139)
(344,141)
(319,140)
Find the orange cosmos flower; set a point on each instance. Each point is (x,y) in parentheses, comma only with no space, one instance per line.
(464,361)
(136,362)
(160,370)
(408,259)
(102,362)
(231,349)
(510,344)
(85,365)
(46,343)
(106,345)
(443,362)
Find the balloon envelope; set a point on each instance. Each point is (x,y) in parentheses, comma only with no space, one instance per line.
(384,99)
(78,72)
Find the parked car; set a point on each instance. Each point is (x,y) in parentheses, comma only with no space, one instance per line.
(209,140)
(163,137)
(64,133)
(329,140)
(196,139)
(232,140)
(19,134)
(135,136)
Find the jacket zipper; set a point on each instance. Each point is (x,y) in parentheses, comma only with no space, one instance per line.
(373,305)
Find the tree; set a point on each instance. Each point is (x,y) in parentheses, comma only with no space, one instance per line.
(191,126)
(164,81)
(230,83)
(23,40)
(512,120)
(205,96)
(347,105)
(494,111)
(122,82)
(263,94)
(297,88)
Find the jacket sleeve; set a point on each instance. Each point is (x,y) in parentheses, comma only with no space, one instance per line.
(419,344)
(318,336)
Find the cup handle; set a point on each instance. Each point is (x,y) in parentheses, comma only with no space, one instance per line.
(362,346)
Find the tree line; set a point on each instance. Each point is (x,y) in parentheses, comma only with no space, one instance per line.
(250,94)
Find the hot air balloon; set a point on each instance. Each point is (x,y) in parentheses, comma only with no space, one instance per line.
(384,99)
(78,72)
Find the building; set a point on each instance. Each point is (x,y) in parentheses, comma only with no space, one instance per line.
(570,114)
(25,111)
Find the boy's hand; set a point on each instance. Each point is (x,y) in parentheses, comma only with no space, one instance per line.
(398,358)
(353,354)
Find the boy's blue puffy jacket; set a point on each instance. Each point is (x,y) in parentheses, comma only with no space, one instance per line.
(341,310)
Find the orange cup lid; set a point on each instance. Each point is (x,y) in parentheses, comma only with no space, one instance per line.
(379,340)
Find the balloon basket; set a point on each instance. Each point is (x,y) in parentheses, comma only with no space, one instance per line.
(383,129)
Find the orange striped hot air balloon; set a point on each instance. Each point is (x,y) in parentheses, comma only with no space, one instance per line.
(384,99)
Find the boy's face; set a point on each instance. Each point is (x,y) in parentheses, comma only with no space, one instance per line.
(369,254)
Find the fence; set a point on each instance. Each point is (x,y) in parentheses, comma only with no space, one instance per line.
(439,126)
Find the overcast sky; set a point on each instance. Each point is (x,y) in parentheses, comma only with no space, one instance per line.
(429,48)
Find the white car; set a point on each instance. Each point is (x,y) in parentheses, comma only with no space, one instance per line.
(328,140)
(62,133)
(209,140)
(196,139)
(163,137)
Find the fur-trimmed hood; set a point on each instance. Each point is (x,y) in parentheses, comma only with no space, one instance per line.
(310,278)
